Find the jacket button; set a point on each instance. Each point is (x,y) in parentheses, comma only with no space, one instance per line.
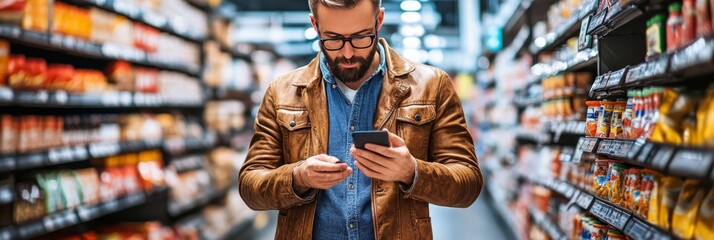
(352,128)
(417,117)
(292,123)
(334,86)
(350,186)
(352,225)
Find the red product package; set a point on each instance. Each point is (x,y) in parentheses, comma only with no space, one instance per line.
(147,80)
(16,71)
(36,69)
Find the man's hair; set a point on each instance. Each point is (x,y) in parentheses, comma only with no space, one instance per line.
(340,4)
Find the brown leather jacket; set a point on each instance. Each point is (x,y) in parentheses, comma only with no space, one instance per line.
(292,125)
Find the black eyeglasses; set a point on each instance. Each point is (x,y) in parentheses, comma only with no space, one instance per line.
(358,41)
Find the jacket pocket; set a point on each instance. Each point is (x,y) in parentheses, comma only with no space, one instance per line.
(295,127)
(424,228)
(414,123)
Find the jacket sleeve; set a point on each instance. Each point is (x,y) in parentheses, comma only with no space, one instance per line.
(265,181)
(453,178)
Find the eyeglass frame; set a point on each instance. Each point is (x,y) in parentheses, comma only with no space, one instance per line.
(371,37)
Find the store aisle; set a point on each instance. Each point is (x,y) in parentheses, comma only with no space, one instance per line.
(480,221)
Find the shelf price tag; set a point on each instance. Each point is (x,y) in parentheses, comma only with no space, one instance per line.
(690,55)
(638,229)
(32,229)
(635,149)
(635,73)
(597,21)
(610,214)
(585,40)
(104,149)
(584,200)
(7,163)
(589,145)
(615,79)
(10,31)
(614,9)
(30,160)
(646,152)
(588,9)
(599,80)
(692,163)
(604,147)
(662,157)
(6,94)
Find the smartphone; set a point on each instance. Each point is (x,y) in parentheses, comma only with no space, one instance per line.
(378,137)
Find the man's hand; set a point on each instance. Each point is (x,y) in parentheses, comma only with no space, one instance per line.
(319,172)
(393,163)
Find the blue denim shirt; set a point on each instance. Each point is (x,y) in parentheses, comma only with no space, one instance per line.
(345,210)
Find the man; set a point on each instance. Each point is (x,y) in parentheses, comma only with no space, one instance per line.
(302,160)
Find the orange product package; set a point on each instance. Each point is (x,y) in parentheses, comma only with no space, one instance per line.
(604,118)
(616,124)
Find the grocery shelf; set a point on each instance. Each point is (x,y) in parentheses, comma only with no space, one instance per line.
(135,13)
(618,217)
(63,155)
(72,217)
(521,14)
(694,60)
(532,137)
(178,146)
(177,210)
(579,61)
(689,162)
(523,102)
(546,224)
(612,19)
(85,48)
(559,133)
(188,163)
(235,54)
(62,99)
(558,36)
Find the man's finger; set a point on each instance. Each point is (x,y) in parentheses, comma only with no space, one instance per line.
(371,156)
(395,140)
(327,167)
(371,165)
(327,158)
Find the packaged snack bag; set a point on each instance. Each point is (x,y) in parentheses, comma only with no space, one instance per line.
(704,228)
(670,188)
(685,213)
(592,118)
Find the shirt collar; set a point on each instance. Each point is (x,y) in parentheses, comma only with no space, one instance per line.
(329,78)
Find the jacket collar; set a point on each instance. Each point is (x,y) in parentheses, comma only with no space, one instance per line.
(396,66)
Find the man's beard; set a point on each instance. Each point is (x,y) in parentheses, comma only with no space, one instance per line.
(350,75)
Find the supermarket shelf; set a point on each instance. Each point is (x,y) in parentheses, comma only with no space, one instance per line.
(622,219)
(689,162)
(523,102)
(520,15)
(244,95)
(546,224)
(84,48)
(188,163)
(564,31)
(694,60)
(63,155)
(178,146)
(62,99)
(578,61)
(176,210)
(149,18)
(607,21)
(532,137)
(72,217)
(234,53)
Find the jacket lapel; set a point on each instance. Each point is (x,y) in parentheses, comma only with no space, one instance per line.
(315,99)
(394,86)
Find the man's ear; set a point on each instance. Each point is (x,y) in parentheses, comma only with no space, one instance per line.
(313,21)
(380,18)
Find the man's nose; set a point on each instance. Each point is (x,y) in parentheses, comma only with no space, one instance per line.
(348,51)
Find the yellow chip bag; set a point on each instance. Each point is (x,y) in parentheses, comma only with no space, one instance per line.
(685,213)
(704,228)
(670,188)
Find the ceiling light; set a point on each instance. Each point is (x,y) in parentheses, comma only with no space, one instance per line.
(410,5)
(411,17)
